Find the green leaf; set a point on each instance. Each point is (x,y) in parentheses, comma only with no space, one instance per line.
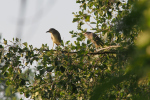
(10,70)
(78,1)
(73,35)
(27,95)
(4,68)
(75,20)
(79,39)
(67,42)
(73,47)
(5,42)
(25,44)
(39,67)
(80,12)
(8,82)
(88,41)
(92,22)
(6,74)
(50,69)
(23,82)
(1,46)
(42,71)
(84,6)
(87,18)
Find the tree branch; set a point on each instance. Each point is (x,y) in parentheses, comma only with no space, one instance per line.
(88,24)
(99,51)
(107,48)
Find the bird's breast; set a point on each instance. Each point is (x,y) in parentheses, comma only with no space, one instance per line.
(55,38)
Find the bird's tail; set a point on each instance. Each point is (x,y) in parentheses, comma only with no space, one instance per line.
(100,42)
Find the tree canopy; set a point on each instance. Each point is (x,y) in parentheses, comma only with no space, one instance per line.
(118,70)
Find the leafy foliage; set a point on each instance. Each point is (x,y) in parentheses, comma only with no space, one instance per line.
(76,71)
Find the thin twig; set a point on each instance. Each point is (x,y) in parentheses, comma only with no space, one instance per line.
(88,24)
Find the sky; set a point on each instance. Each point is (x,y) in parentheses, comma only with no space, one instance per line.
(39,16)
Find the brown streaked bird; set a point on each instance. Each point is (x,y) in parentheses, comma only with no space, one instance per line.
(55,36)
(94,38)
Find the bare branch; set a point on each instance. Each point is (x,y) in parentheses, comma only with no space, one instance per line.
(88,24)
(107,48)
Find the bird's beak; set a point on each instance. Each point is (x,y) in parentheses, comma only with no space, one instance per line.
(47,31)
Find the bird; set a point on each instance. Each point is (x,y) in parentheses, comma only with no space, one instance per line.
(55,36)
(94,38)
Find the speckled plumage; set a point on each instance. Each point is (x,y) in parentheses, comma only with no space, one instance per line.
(95,39)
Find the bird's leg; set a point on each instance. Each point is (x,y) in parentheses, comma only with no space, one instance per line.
(53,45)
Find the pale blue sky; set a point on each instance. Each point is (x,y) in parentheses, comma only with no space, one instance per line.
(40,15)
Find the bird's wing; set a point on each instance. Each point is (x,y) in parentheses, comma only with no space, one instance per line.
(59,37)
(98,40)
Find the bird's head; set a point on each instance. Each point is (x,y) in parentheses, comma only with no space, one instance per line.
(51,30)
(87,33)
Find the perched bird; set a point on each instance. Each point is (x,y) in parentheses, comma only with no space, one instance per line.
(55,36)
(94,38)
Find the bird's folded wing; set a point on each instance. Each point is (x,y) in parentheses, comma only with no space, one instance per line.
(98,40)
